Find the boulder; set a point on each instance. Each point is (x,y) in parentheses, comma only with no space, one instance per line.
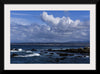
(79,56)
(62,54)
(45,52)
(49,49)
(62,58)
(65,54)
(51,53)
(33,49)
(56,60)
(14,54)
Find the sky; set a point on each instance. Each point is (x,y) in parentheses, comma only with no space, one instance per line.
(49,26)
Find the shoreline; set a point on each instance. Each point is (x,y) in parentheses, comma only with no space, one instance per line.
(53,56)
(72,50)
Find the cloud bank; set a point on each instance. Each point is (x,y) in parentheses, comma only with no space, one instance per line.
(55,29)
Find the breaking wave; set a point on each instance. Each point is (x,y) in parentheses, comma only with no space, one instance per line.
(29,55)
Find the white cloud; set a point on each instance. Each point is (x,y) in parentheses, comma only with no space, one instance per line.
(58,24)
(19,21)
(83,33)
(55,29)
(50,18)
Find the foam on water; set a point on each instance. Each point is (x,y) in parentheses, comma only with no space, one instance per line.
(28,51)
(20,49)
(29,55)
(14,51)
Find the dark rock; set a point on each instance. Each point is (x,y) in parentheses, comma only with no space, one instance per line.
(41,51)
(51,53)
(79,50)
(49,49)
(57,60)
(70,54)
(45,52)
(65,54)
(13,55)
(11,49)
(62,54)
(33,49)
(62,58)
(16,49)
(78,56)
(84,56)
(86,50)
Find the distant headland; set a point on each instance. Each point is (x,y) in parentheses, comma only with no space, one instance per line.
(55,43)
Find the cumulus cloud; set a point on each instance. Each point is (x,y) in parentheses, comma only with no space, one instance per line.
(55,29)
(58,24)
(50,19)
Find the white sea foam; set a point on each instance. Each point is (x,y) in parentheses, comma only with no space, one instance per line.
(20,49)
(29,55)
(28,51)
(87,56)
(13,51)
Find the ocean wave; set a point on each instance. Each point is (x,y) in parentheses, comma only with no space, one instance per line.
(28,51)
(13,51)
(20,49)
(17,50)
(29,55)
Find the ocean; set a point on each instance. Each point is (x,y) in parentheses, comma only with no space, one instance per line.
(40,55)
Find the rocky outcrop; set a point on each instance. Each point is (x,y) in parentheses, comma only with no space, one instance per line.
(50,50)
(33,49)
(79,50)
(65,54)
(14,54)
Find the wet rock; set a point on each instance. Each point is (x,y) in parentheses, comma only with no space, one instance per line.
(51,53)
(62,58)
(49,49)
(79,56)
(57,60)
(41,51)
(11,49)
(85,56)
(33,49)
(86,50)
(14,49)
(45,52)
(65,54)
(70,54)
(62,54)
(13,55)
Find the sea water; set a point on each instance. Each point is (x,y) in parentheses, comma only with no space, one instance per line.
(42,56)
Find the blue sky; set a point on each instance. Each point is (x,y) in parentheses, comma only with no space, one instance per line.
(49,26)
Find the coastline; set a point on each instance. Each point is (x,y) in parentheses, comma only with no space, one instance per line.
(54,44)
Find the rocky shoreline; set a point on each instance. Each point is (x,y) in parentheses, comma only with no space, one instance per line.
(79,50)
(58,52)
